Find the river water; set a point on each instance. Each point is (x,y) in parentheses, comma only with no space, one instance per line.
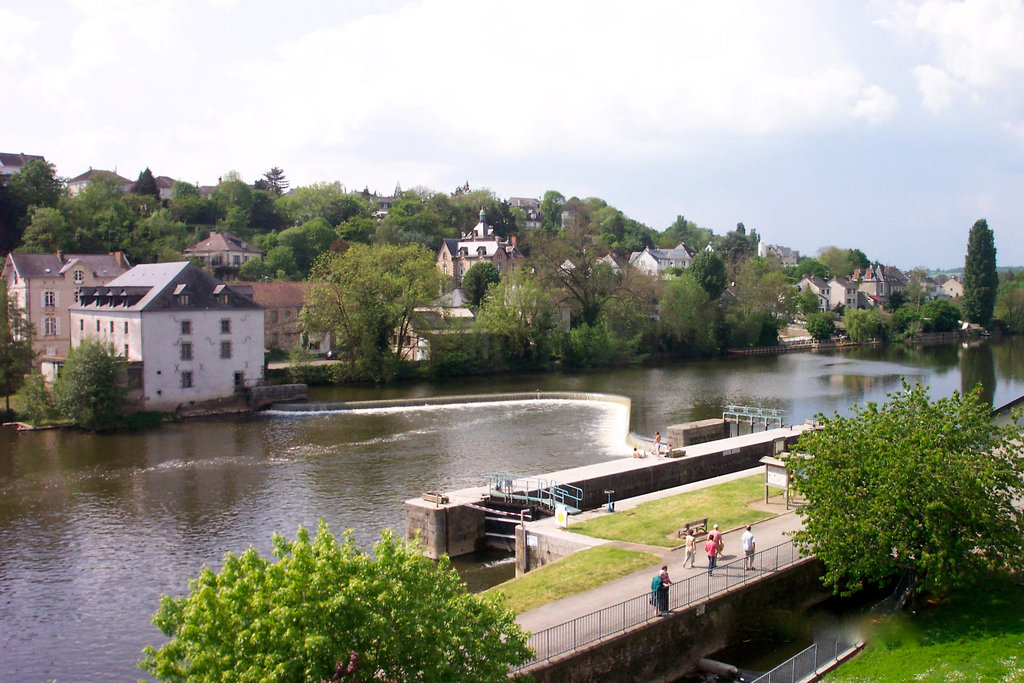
(95,528)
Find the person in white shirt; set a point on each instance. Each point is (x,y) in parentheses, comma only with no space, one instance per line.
(748,548)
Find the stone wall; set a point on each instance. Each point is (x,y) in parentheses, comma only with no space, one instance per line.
(547,548)
(701,431)
(669,647)
(450,528)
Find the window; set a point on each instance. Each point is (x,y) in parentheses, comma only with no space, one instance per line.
(186,380)
(186,327)
(225,325)
(236,260)
(97,325)
(186,351)
(126,327)
(79,276)
(125,350)
(183,299)
(225,349)
(50,327)
(49,298)
(273,316)
(111,327)
(81,324)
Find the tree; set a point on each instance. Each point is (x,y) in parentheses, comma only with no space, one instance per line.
(821,325)
(37,185)
(146,184)
(518,310)
(15,346)
(708,270)
(941,315)
(47,232)
(980,279)
(809,267)
(366,297)
(478,279)
(915,485)
(90,388)
(863,324)
(275,180)
(684,316)
(323,602)
(551,210)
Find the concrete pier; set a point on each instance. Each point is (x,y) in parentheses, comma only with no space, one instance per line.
(458,528)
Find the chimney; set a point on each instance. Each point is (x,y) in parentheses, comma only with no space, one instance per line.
(514,241)
(60,256)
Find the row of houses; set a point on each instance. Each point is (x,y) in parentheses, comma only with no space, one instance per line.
(873,287)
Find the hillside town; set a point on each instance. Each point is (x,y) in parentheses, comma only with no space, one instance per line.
(150,267)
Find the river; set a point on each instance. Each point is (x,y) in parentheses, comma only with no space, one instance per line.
(95,528)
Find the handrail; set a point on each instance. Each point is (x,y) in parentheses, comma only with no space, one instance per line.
(595,626)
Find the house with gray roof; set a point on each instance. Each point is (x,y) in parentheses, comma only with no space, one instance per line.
(82,181)
(223,253)
(657,261)
(189,338)
(480,245)
(45,286)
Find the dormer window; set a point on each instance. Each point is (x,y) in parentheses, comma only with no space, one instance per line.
(181,297)
(79,277)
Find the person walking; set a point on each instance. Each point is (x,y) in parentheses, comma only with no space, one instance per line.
(690,549)
(711,548)
(716,536)
(748,548)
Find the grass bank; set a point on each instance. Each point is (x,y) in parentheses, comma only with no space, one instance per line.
(574,574)
(977,635)
(653,522)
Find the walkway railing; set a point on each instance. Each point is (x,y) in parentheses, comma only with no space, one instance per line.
(513,488)
(810,661)
(589,628)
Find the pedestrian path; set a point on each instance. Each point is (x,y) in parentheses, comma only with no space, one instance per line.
(767,533)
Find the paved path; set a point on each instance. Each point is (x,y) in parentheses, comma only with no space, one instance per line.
(767,533)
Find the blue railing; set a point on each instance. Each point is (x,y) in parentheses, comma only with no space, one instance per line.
(512,488)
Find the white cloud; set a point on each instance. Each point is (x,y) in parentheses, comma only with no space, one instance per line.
(937,87)
(977,46)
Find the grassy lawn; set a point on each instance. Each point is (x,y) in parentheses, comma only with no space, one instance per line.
(976,636)
(652,522)
(574,574)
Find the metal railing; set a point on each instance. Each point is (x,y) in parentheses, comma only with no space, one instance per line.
(589,628)
(512,488)
(810,661)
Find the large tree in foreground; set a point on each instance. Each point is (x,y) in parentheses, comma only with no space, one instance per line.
(911,485)
(393,614)
(981,282)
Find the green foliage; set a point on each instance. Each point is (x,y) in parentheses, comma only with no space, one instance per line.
(47,231)
(478,279)
(864,324)
(90,387)
(821,325)
(1009,306)
(551,206)
(15,345)
(842,262)
(686,231)
(912,485)
(980,279)
(687,315)
(366,297)
(806,302)
(811,267)
(974,635)
(518,311)
(146,184)
(37,400)
(292,619)
(36,185)
(708,269)
(940,315)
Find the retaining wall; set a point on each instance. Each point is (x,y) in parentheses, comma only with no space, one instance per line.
(669,647)
(701,431)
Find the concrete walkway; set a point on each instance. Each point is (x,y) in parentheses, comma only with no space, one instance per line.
(767,533)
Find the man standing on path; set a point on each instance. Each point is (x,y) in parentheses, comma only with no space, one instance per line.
(711,548)
(716,536)
(748,548)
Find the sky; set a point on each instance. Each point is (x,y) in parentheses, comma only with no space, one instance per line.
(890,127)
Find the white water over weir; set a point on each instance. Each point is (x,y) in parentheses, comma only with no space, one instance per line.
(342,406)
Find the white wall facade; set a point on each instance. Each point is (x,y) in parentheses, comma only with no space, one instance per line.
(157,338)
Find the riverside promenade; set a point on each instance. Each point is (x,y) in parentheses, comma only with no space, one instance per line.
(621,605)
